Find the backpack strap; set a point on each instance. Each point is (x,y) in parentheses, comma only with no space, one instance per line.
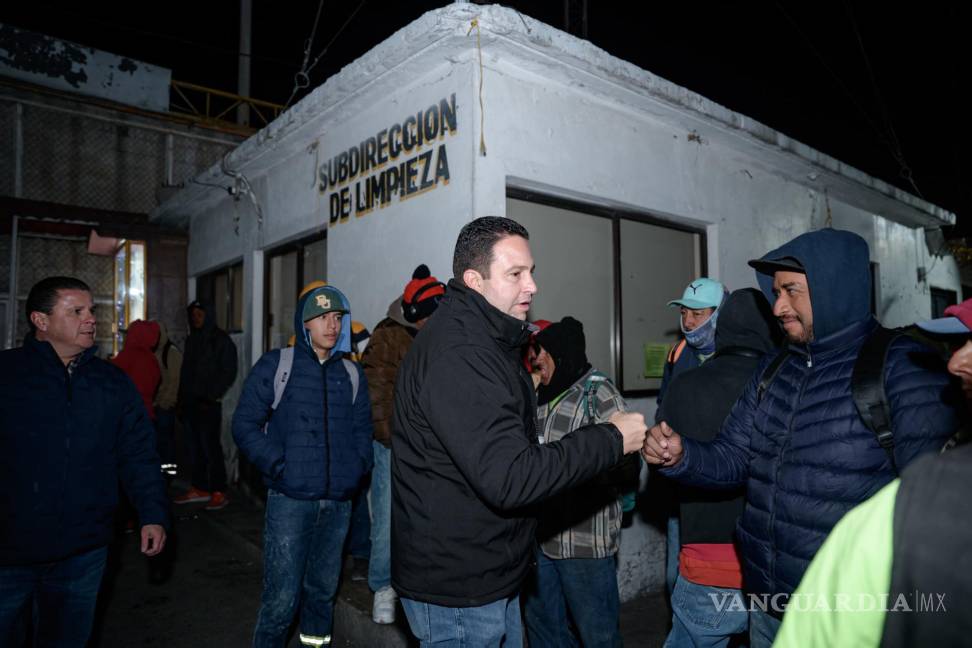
(352,370)
(590,389)
(769,374)
(739,351)
(284,364)
(867,388)
(676,351)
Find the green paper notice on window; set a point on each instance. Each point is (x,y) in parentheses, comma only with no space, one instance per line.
(655,356)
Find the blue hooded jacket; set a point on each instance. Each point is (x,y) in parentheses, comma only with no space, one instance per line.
(317,444)
(803,451)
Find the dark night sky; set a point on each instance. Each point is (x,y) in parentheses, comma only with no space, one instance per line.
(874,86)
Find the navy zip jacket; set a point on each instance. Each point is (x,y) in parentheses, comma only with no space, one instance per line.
(317,444)
(803,451)
(64,443)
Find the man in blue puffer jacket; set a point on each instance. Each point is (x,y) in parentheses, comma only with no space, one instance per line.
(71,426)
(313,453)
(802,450)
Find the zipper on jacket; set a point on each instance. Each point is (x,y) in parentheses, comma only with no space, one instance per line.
(776,480)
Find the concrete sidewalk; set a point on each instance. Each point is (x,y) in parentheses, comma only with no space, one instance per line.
(207,591)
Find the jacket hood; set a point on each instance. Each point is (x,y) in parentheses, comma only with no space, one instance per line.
(141,335)
(302,335)
(209,323)
(837,265)
(163,334)
(746,320)
(395,313)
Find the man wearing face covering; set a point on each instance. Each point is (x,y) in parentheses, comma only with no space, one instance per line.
(578,530)
(698,312)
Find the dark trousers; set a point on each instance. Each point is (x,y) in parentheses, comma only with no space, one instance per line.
(59,596)
(205,448)
(358,543)
(165,436)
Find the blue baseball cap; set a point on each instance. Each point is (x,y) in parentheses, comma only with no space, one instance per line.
(701,293)
(957,321)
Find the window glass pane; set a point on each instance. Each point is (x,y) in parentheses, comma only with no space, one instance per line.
(121,289)
(221,298)
(237,298)
(136,282)
(281,299)
(656,264)
(572,252)
(315,262)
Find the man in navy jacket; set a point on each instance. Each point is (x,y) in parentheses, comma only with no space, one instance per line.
(71,425)
(314,449)
(802,450)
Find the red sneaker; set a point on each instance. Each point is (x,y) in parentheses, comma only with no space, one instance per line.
(217,501)
(192,496)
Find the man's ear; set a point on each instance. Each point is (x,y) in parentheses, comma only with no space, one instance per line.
(473,280)
(39,320)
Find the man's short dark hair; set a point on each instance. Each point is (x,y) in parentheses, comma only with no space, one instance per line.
(43,295)
(474,247)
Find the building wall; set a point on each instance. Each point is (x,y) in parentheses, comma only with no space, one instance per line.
(561,139)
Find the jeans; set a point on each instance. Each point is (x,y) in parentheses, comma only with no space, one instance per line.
(302,543)
(205,449)
(587,588)
(59,596)
(486,626)
(704,616)
(379,569)
(763,627)
(671,555)
(358,543)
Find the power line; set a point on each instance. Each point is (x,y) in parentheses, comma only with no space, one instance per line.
(301,80)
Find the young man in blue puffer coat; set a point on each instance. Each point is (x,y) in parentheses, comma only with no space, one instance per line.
(314,449)
(802,450)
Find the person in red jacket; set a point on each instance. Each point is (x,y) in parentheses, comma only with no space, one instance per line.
(137,359)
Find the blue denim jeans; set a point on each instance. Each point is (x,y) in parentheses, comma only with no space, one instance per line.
(302,542)
(379,569)
(762,629)
(673,547)
(59,596)
(358,543)
(488,626)
(704,616)
(587,588)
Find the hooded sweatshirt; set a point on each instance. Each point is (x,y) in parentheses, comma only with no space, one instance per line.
(747,331)
(209,363)
(170,362)
(802,450)
(138,361)
(317,443)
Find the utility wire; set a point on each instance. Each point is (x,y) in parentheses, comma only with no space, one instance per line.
(301,79)
(334,38)
(840,84)
(897,150)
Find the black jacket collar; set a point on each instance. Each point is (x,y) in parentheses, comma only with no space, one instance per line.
(508,331)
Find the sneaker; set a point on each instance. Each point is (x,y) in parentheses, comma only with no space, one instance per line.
(359,570)
(192,496)
(217,501)
(383,609)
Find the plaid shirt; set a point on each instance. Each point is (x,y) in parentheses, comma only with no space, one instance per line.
(562,534)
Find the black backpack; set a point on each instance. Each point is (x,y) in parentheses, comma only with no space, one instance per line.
(867,388)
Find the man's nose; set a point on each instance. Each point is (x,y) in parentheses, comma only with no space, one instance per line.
(780,306)
(531,285)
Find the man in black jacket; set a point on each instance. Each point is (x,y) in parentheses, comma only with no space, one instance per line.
(465,458)
(708,566)
(208,371)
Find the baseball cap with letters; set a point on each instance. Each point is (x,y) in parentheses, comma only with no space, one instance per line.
(322,300)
